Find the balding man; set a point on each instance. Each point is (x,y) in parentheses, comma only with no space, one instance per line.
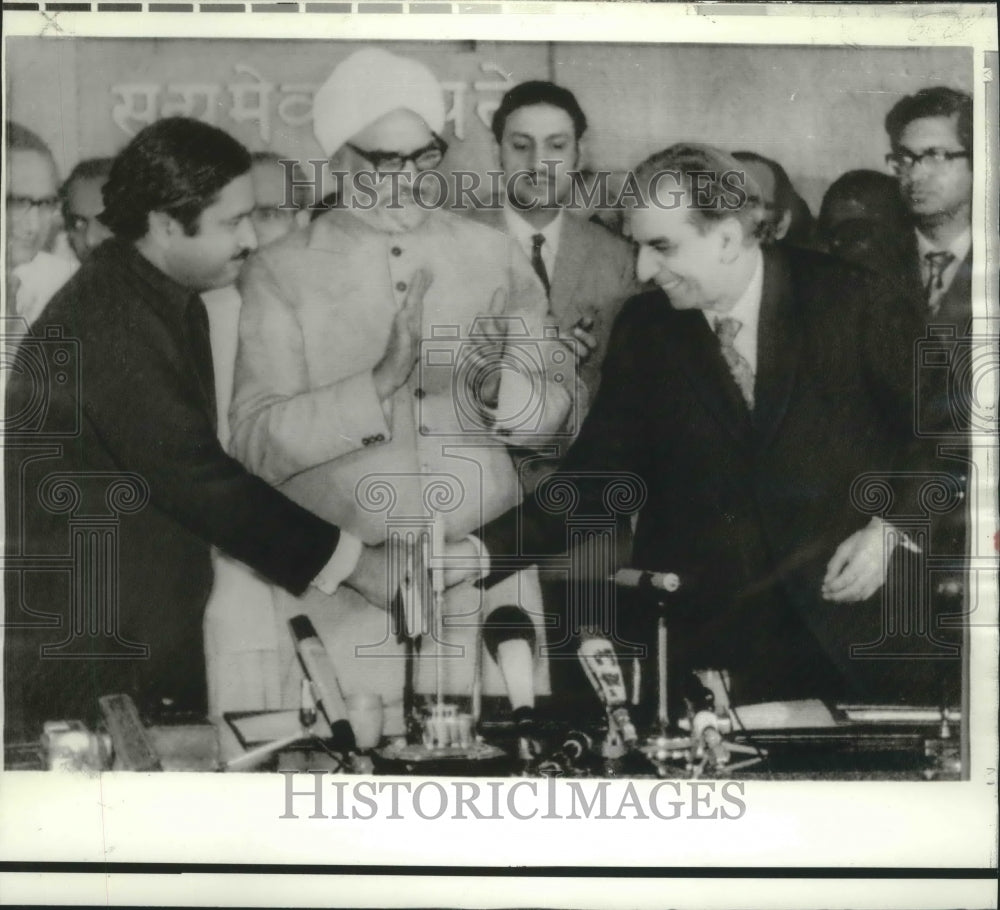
(33,275)
(82,204)
(331,405)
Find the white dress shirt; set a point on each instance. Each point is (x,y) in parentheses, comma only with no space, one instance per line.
(524,233)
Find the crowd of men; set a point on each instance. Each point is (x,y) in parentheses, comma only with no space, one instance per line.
(287,395)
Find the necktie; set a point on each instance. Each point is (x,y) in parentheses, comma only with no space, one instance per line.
(726,330)
(937,262)
(537,263)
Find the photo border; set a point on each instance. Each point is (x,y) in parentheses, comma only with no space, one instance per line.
(103,830)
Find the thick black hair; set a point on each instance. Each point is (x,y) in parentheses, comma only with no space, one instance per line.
(939,101)
(538,92)
(177,166)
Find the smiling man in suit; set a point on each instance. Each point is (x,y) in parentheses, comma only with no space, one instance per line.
(751,392)
(115,457)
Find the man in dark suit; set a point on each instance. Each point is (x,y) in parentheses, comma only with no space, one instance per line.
(751,396)
(116,482)
(930,134)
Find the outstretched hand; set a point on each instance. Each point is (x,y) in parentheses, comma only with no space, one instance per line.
(370,576)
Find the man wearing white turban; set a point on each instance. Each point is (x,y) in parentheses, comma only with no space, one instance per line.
(335,404)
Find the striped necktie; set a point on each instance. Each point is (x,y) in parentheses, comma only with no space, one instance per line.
(726,330)
(937,263)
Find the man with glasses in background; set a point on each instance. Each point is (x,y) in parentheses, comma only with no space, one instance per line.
(930,133)
(332,406)
(33,275)
(931,137)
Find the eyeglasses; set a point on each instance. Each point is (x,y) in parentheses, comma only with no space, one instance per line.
(906,160)
(21,205)
(423,159)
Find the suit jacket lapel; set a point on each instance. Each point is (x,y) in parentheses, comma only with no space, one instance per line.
(956,303)
(200,351)
(779,346)
(698,354)
(571,261)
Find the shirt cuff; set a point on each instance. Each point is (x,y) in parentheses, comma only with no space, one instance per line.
(340,565)
(482,555)
(902,539)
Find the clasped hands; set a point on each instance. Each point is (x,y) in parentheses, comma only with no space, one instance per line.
(484,367)
(384,570)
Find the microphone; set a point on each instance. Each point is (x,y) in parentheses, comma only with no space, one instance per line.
(605,674)
(318,668)
(638,578)
(576,746)
(576,755)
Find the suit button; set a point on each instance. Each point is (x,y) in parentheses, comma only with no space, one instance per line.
(400,286)
(396,251)
(380,438)
(418,393)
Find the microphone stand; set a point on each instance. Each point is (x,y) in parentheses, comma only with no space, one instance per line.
(705,744)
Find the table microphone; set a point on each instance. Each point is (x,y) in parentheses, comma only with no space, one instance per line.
(318,668)
(638,578)
(604,672)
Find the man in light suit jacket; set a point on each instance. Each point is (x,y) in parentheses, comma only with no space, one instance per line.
(587,272)
(363,385)
(753,394)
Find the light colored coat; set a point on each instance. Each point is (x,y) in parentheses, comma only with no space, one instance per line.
(317,311)
(594,275)
(246,653)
